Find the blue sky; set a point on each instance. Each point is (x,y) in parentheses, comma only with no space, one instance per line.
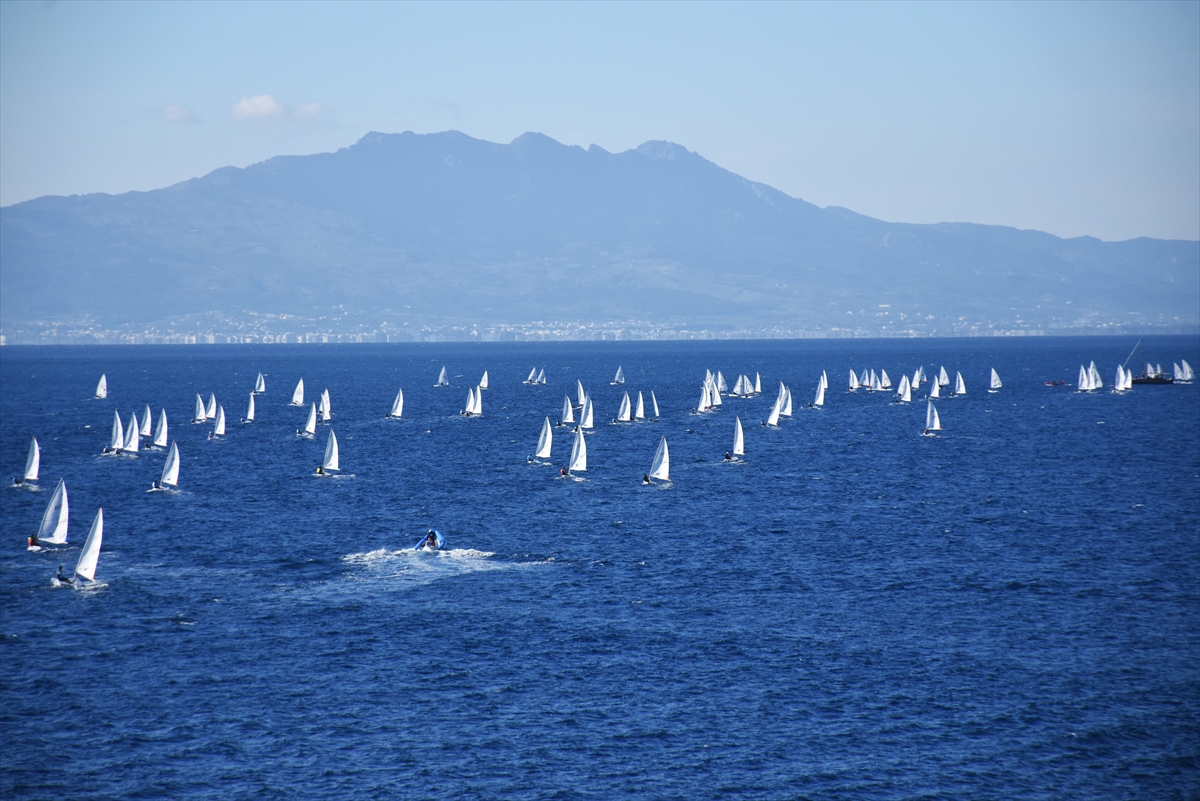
(1073,118)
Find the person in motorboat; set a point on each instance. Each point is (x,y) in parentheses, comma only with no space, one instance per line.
(61,578)
(431,541)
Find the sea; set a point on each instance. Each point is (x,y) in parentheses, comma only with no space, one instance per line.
(1008,610)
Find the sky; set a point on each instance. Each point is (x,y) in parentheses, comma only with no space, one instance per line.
(1072,118)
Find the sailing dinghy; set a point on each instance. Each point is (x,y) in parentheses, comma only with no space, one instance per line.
(483,382)
(580,395)
(578,460)
(904,394)
(116,440)
(819,400)
(147,421)
(219,425)
(260,385)
(326,408)
(585,416)
(935,390)
(932,421)
(474,406)
(654,403)
(170,471)
(102,388)
(132,436)
(397,406)
(532,378)
(995,384)
(541,379)
(310,426)
(442,380)
(619,378)
(199,416)
(33,463)
(298,394)
(639,412)
(853,382)
(545,440)
(624,414)
(960,388)
(53,530)
(85,568)
(329,465)
(739,442)
(249,418)
(210,411)
(568,412)
(660,468)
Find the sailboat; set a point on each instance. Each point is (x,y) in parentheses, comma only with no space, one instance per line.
(1094,375)
(117,440)
(619,378)
(541,379)
(904,394)
(853,382)
(330,463)
(442,380)
(532,378)
(210,411)
(483,382)
(757,384)
(874,386)
(935,390)
(819,400)
(568,412)
(864,380)
(722,387)
(1119,380)
(1183,373)
(132,436)
(219,426)
(943,378)
(786,408)
(739,387)
(326,408)
(960,388)
(624,414)
(298,394)
(474,406)
(639,411)
(654,404)
(916,379)
(704,404)
(923,379)
(586,415)
(170,471)
(199,416)
(739,440)
(660,468)
(85,568)
(932,421)
(580,395)
(715,393)
(53,530)
(578,461)
(249,418)
(995,384)
(885,383)
(102,388)
(773,418)
(33,462)
(260,385)
(147,421)
(545,440)
(310,426)
(397,406)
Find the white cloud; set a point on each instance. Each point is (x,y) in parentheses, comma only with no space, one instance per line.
(307,112)
(181,114)
(257,107)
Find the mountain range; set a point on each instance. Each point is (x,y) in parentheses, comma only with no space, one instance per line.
(447,227)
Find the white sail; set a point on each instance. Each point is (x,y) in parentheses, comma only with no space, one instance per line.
(250,409)
(995,382)
(819,400)
(739,439)
(1084,382)
(33,462)
(102,388)
(935,390)
(170,473)
(960,388)
(147,422)
(864,380)
(199,416)
(219,426)
(541,379)
(875,386)
(90,555)
(160,431)
(298,394)
(824,380)
(619,378)
(568,411)
(773,418)
(532,379)
(397,405)
(477,406)
(639,412)
(660,468)
(210,411)
(1188,375)
(654,403)
(757,384)
(310,426)
(884,381)
(442,380)
(904,395)
(585,416)
(921,371)
(580,395)
(1176,371)
(722,387)
(1129,378)
(853,381)
(704,404)
(132,437)
(1096,381)
(330,462)
(623,413)
(578,463)
(260,384)
(53,530)
(469,407)
(483,382)
(739,386)
(327,406)
(545,440)
(932,421)
(943,377)
(786,409)
(916,379)
(117,440)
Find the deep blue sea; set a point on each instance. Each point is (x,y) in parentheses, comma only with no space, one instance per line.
(1010,610)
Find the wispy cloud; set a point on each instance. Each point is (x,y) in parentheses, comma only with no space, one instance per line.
(266,107)
(180,114)
(257,108)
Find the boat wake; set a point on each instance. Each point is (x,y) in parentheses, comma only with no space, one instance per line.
(407,566)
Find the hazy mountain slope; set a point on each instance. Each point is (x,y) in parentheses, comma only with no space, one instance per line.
(444,225)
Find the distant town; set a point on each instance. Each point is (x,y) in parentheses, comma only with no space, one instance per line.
(255,328)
